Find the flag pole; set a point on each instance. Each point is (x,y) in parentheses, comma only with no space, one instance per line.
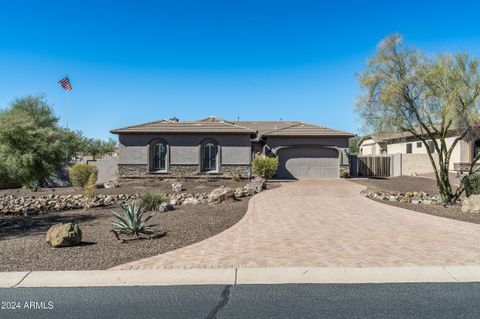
(66,108)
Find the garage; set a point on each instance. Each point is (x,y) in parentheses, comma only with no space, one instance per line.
(308,162)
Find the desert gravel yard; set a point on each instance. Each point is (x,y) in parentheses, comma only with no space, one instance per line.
(405,184)
(23,246)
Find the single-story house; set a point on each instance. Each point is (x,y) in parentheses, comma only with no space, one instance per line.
(412,148)
(214,146)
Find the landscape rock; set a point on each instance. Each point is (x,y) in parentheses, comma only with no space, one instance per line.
(165,207)
(221,194)
(64,235)
(259,182)
(471,204)
(190,201)
(408,197)
(250,189)
(177,187)
(239,192)
(111,184)
(175,201)
(59,178)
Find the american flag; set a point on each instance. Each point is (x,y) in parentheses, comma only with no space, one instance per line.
(65,83)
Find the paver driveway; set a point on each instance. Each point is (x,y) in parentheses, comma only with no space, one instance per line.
(327,223)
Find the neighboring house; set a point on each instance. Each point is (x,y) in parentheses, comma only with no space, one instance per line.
(372,145)
(415,155)
(213,146)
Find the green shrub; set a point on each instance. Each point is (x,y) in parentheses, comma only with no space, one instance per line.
(265,167)
(132,222)
(80,173)
(472,184)
(151,201)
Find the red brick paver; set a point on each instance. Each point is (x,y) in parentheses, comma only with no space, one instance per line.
(327,223)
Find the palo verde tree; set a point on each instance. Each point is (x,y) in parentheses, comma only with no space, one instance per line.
(430,98)
(33,145)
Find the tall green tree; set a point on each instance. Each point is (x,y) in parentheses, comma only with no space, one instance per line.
(429,97)
(31,146)
(97,148)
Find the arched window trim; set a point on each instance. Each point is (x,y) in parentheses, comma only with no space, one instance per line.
(202,145)
(152,147)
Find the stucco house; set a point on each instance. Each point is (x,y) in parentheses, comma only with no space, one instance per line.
(414,151)
(214,146)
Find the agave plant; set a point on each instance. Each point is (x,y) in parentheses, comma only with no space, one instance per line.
(133,222)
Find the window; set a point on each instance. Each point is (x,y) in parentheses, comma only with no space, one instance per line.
(431,146)
(209,157)
(476,148)
(383,151)
(409,148)
(159,157)
(419,144)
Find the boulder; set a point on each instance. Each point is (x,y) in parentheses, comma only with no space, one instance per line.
(110,184)
(260,182)
(251,189)
(59,178)
(471,204)
(64,235)
(177,187)
(190,201)
(239,192)
(165,207)
(221,194)
(175,201)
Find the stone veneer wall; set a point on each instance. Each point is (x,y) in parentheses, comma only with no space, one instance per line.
(245,170)
(133,170)
(126,170)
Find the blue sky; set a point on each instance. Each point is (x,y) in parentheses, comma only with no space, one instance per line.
(136,61)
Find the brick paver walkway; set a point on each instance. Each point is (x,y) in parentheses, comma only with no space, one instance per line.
(327,223)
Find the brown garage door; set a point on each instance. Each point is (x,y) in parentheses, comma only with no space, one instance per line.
(312,162)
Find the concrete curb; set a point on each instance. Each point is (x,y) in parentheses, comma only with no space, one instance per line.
(232,276)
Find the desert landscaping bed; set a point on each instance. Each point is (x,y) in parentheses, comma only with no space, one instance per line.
(405,184)
(23,244)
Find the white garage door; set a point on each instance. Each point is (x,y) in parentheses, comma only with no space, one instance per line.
(312,162)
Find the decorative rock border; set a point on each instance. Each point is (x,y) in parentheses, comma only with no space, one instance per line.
(31,205)
(408,197)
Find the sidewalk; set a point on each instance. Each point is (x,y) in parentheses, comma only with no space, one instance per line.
(237,276)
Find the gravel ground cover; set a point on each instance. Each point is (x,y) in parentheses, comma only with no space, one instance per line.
(23,246)
(417,184)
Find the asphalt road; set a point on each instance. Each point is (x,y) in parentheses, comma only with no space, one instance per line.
(448,300)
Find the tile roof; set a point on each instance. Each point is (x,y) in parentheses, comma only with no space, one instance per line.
(263,127)
(213,124)
(305,129)
(208,125)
